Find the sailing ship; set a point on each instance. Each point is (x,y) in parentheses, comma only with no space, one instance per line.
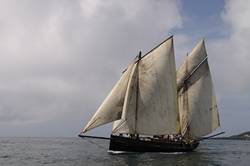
(158,109)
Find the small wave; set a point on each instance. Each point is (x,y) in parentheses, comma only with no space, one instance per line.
(172,152)
(119,152)
(126,152)
(4,156)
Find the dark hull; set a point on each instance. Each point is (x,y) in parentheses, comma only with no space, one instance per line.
(119,143)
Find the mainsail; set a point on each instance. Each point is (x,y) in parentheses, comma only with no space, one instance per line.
(145,98)
(197,103)
(151,102)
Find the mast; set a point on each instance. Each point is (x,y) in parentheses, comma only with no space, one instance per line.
(137,92)
(185,89)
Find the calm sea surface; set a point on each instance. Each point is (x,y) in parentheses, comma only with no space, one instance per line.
(79,152)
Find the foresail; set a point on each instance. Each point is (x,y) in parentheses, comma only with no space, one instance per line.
(127,123)
(155,110)
(197,102)
(111,109)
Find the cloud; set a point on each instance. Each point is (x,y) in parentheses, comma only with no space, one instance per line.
(230,61)
(232,52)
(59,59)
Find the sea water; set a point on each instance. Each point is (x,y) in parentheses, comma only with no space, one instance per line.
(84,152)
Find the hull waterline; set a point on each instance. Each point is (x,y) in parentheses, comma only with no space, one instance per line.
(119,143)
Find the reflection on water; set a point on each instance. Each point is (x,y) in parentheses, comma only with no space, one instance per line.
(76,151)
(148,159)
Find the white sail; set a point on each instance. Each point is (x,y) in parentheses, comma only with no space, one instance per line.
(194,59)
(153,110)
(197,103)
(111,109)
(128,120)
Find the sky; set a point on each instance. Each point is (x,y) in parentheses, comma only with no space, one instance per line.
(60,59)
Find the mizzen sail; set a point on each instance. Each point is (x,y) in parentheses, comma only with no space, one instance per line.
(197,102)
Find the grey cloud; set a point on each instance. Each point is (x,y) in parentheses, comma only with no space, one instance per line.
(59,59)
(230,63)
